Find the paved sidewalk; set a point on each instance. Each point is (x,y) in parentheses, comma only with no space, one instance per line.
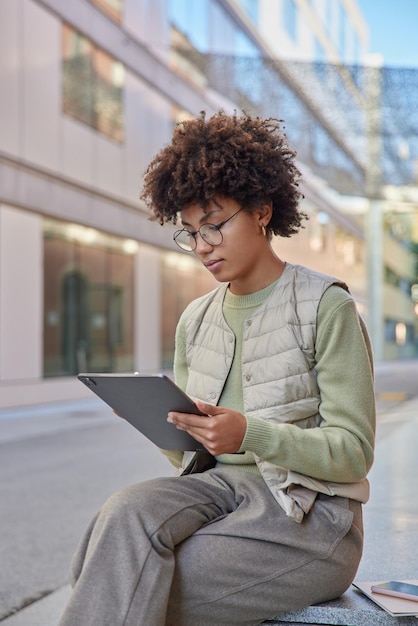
(45,612)
(391,520)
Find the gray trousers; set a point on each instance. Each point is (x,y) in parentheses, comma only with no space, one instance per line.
(210,549)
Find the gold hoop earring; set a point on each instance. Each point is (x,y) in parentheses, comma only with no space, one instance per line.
(263,230)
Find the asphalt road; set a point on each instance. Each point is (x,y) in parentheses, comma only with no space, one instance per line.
(56,470)
(58,464)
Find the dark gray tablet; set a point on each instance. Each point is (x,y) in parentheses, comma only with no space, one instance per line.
(144,401)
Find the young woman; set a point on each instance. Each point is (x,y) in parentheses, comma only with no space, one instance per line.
(279,361)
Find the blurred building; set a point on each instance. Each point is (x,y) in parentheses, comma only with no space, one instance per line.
(91,90)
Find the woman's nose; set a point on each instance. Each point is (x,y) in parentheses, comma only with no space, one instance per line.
(201,244)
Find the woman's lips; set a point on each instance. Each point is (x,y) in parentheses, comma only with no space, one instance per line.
(214,265)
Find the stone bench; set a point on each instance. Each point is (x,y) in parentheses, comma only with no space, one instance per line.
(351,609)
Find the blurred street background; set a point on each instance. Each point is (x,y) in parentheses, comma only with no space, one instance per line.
(90,91)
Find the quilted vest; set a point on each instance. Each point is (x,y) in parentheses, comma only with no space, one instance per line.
(278,371)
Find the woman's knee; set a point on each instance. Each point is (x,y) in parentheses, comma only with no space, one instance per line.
(142,500)
(120,503)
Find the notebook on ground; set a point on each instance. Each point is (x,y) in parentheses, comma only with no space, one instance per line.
(397,607)
(144,401)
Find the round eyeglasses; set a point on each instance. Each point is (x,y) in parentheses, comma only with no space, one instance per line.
(210,233)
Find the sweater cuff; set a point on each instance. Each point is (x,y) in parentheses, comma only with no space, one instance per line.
(257,436)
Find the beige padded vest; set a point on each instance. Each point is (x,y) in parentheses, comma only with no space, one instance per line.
(278,371)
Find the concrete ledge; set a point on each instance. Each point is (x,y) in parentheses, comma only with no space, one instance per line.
(352,608)
(44,612)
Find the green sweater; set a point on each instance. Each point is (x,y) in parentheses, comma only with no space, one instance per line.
(343,365)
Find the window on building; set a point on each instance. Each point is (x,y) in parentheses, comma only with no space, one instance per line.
(398,332)
(189,39)
(348,247)
(342,29)
(247,72)
(93,83)
(191,19)
(318,231)
(320,64)
(290,18)
(392,278)
(355,47)
(251,8)
(113,8)
(183,280)
(328,15)
(321,152)
(88,300)
(319,52)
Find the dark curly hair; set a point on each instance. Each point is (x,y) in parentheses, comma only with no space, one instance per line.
(243,158)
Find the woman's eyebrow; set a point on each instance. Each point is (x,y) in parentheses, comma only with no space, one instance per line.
(203,219)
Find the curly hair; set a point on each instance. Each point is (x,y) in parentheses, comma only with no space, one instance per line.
(244,158)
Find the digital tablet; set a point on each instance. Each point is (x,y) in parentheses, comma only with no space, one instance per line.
(144,400)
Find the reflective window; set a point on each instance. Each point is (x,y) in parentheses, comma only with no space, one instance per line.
(251,8)
(93,83)
(320,65)
(183,280)
(113,8)
(329,4)
(348,247)
(342,28)
(189,39)
(247,72)
(290,18)
(398,332)
(318,231)
(88,300)
(191,19)
(402,283)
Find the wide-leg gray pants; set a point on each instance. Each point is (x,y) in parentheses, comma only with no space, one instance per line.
(210,549)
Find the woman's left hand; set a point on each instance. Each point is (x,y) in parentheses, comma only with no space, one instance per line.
(220,430)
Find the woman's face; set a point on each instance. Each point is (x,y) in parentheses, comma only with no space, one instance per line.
(239,258)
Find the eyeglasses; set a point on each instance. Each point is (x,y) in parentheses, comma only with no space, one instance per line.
(211,233)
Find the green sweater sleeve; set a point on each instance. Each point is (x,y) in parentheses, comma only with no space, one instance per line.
(341,449)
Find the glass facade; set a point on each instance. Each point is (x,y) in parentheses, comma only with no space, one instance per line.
(251,8)
(183,279)
(89,313)
(113,8)
(92,84)
(399,334)
(209,49)
(88,300)
(93,309)
(290,18)
(191,19)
